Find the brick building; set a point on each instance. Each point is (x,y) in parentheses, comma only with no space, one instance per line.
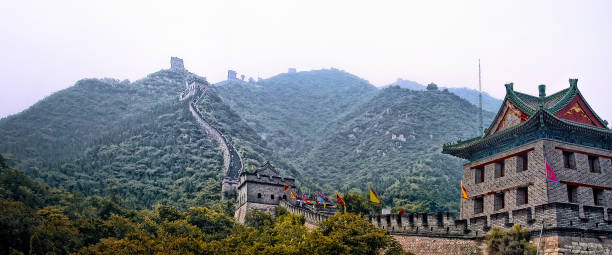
(506,177)
(262,189)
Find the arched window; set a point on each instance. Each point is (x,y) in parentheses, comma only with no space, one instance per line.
(272,197)
(258,195)
(285,197)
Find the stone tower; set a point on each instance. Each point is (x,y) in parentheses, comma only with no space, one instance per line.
(262,189)
(231,75)
(506,179)
(176,64)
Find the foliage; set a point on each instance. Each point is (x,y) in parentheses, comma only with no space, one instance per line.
(344,135)
(134,143)
(82,225)
(509,242)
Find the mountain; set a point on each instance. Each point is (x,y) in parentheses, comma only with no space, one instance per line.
(293,111)
(133,142)
(393,142)
(343,134)
(489,103)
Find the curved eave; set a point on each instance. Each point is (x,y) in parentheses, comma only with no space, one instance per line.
(463,149)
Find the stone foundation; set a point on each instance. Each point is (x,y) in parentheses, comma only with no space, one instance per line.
(439,245)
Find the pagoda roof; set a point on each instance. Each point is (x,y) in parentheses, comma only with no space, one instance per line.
(566,110)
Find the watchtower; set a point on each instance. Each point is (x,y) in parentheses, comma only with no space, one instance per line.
(262,189)
(176,64)
(231,75)
(506,177)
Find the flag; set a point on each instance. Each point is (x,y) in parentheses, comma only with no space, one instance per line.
(340,201)
(373,197)
(464,194)
(287,187)
(292,195)
(550,174)
(320,199)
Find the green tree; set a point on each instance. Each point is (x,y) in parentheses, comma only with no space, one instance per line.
(258,219)
(509,242)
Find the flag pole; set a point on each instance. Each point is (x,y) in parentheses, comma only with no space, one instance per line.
(540,241)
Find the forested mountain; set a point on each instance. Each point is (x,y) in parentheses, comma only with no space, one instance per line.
(293,111)
(393,143)
(65,123)
(342,134)
(489,103)
(36,219)
(133,142)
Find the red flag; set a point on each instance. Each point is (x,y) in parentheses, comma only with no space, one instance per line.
(339,199)
(287,187)
(401,212)
(550,174)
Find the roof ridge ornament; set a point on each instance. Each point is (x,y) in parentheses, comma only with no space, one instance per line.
(542,89)
(509,87)
(573,82)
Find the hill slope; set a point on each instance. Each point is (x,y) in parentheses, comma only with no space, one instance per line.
(393,142)
(292,112)
(134,142)
(489,103)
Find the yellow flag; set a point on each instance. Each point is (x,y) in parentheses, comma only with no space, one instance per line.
(373,197)
(464,194)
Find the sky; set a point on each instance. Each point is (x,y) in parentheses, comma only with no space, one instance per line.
(46,46)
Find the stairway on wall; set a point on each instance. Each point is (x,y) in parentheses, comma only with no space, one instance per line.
(232,161)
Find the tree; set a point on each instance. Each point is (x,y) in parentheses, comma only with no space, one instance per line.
(509,242)
(355,234)
(432,86)
(258,219)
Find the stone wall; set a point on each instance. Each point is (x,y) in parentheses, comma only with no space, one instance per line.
(534,178)
(439,245)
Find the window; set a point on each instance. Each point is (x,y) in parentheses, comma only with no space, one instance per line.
(572,194)
(598,196)
(569,160)
(258,195)
(594,164)
(522,162)
(478,205)
(499,169)
(285,197)
(272,197)
(522,196)
(499,202)
(479,175)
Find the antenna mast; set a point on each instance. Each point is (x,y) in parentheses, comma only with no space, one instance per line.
(481,130)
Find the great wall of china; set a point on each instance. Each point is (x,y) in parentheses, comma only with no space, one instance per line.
(567,228)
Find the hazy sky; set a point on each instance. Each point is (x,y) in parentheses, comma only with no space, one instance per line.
(48,45)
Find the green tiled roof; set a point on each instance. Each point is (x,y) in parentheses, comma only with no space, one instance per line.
(539,109)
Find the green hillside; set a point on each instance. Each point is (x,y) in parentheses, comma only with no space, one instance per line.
(133,142)
(393,142)
(293,112)
(65,123)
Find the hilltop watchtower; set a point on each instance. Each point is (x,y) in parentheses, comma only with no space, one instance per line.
(176,64)
(505,176)
(262,189)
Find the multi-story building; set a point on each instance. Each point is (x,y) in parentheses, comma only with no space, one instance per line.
(262,189)
(506,178)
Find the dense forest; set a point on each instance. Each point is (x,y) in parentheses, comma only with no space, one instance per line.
(36,219)
(344,134)
(136,144)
